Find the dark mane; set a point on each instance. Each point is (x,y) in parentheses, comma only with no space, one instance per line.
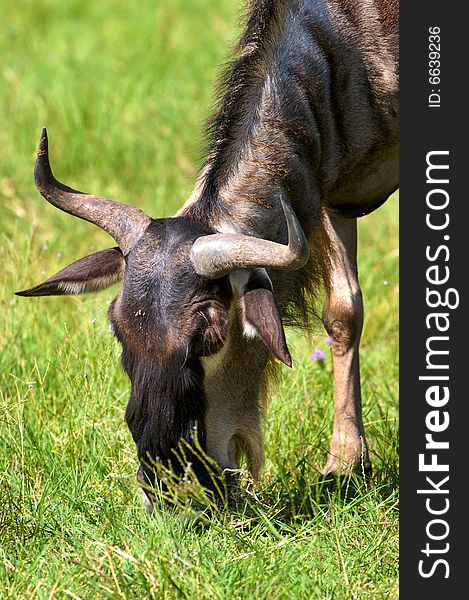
(234,84)
(238,91)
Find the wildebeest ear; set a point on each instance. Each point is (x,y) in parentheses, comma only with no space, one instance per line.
(89,274)
(261,314)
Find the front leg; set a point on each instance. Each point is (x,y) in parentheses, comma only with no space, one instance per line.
(343,320)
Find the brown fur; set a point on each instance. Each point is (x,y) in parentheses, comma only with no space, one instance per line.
(330,132)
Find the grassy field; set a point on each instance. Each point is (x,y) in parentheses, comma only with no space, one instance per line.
(124,89)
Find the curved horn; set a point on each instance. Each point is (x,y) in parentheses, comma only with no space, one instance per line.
(221,253)
(123,222)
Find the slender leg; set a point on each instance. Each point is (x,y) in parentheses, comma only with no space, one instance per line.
(343,320)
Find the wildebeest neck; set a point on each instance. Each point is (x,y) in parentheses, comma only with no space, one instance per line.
(311,95)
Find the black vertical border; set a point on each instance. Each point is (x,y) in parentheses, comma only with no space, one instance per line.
(425,129)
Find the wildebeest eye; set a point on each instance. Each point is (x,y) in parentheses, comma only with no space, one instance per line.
(212,328)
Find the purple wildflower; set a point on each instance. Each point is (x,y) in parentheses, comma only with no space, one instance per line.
(328,341)
(318,354)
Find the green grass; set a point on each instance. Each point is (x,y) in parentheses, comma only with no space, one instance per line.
(124,89)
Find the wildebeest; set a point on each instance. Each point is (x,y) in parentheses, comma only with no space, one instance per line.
(304,141)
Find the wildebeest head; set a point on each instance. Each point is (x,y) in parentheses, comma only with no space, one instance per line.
(191,313)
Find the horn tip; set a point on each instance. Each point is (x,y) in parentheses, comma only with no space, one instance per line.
(296,236)
(43,143)
(42,171)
